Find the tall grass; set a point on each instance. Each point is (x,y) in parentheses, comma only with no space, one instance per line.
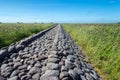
(101,44)
(12,32)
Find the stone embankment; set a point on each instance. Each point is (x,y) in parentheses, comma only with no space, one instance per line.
(48,55)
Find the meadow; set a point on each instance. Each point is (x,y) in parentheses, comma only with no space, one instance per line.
(12,32)
(101,45)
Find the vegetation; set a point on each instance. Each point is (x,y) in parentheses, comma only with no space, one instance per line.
(101,44)
(12,32)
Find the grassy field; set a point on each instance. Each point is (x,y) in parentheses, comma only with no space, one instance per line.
(101,44)
(12,32)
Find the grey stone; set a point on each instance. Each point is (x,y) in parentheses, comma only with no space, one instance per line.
(53,60)
(17,64)
(19,47)
(73,74)
(82,77)
(11,48)
(69,64)
(71,58)
(14,55)
(38,64)
(53,52)
(6,71)
(65,78)
(34,70)
(53,66)
(65,53)
(53,56)
(50,74)
(63,75)
(14,73)
(25,77)
(4,66)
(94,76)
(79,71)
(64,68)
(21,74)
(22,67)
(49,78)
(2,78)
(29,67)
(36,76)
(3,53)
(14,78)
(88,76)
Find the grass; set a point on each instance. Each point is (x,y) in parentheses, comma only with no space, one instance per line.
(12,32)
(101,44)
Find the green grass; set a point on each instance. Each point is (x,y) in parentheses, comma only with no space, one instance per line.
(12,32)
(101,44)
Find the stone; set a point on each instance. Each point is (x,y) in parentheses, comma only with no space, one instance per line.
(69,64)
(17,64)
(14,73)
(19,47)
(53,60)
(11,48)
(14,55)
(53,66)
(29,67)
(22,67)
(38,64)
(63,75)
(95,77)
(64,68)
(25,77)
(62,63)
(6,71)
(34,70)
(21,74)
(49,78)
(32,62)
(65,53)
(73,74)
(4,66)
(3,53)
(65,78)
(50,75)
(36,76)
(71,58)
(2,78)
(14,78)
(82,77)
(88,76)
(42,57)
(53,52)
(79,71)
(53,56)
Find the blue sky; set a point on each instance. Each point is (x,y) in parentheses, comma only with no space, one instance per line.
(73,11)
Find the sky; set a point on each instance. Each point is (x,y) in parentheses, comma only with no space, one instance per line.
(60,11)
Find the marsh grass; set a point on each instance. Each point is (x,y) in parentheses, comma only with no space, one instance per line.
(12,32)
(101,44)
